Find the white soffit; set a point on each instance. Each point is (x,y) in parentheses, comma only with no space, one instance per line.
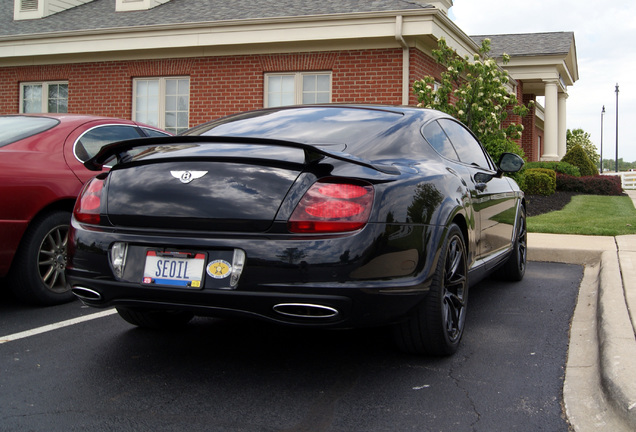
(295,34)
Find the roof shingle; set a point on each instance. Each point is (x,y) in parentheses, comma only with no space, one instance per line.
(101,14)
(529,44)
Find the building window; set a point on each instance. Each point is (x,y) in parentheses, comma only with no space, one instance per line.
(162,102)
(44,97)
(297,88)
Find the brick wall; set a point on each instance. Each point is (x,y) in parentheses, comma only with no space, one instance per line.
(218,85)
(224,85)
(421,66)
(529,141)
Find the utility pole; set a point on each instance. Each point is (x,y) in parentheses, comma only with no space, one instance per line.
(602,114)
(616,127)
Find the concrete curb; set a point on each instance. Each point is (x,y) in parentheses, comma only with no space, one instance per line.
(617,346)
(600,384)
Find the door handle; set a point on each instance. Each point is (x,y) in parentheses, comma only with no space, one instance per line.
(481,186)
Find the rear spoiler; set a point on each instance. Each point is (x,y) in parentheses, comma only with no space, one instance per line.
(312,153)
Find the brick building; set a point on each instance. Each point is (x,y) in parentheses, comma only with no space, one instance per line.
(178,63)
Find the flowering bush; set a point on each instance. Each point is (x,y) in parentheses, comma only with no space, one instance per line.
(475,92)
(593,185)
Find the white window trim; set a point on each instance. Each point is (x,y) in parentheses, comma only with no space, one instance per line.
(298,84)
(162,97)
(45,93)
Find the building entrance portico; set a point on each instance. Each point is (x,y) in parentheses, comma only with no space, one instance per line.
(544,64)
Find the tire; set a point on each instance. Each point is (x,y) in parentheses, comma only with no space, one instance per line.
(437,324)
(155,319)
(37,273)
(514,268)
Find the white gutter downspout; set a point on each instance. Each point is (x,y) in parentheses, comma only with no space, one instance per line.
(405,60)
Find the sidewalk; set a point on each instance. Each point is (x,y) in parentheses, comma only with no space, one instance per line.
(600,378)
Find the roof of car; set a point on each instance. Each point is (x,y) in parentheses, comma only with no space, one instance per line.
(101,14)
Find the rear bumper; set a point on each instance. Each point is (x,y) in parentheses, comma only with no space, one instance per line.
(341,308)
(373,277)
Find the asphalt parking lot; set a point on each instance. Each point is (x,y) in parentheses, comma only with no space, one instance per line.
(222,375)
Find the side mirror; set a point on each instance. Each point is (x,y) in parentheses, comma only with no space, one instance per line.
(510,163)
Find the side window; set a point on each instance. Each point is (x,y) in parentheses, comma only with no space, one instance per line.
(468,148)
(437,138)
(94,139)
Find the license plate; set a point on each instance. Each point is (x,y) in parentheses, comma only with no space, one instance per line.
(180,269)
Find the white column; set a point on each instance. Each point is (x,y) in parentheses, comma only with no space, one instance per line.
(551,124)
(562,124)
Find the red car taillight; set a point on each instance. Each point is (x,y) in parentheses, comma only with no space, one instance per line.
(330,207)
(89,202)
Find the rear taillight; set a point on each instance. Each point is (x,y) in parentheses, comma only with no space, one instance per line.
(332,207)
(89,202)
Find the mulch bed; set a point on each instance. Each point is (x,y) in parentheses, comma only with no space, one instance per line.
(539,204)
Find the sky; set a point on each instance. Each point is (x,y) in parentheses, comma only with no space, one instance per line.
(605,39)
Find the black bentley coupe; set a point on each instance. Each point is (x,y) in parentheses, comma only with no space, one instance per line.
(326,216)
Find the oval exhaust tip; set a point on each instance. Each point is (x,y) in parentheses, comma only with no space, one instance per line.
(84,293)
(305,310)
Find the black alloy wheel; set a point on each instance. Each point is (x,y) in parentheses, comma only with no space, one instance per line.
(437,325)
(514,268)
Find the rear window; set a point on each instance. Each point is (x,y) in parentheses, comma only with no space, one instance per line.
(15,128)
(317,125)
(92,141)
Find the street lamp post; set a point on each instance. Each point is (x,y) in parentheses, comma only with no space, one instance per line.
(616,127)
(602,114)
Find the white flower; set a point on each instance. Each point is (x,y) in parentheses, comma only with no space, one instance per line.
(460,112)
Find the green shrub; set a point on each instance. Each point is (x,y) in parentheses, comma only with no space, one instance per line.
(540,181)
(559,167)
(577,157)
(520,178)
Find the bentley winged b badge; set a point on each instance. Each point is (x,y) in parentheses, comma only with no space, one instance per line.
(187,176)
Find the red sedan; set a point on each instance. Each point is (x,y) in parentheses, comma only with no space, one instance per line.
(41,174)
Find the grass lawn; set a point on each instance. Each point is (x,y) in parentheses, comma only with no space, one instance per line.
(589,215)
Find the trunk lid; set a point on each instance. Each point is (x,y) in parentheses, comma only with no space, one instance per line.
(199,195)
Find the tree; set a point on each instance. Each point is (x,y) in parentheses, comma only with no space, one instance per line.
(582,138)
(475,93)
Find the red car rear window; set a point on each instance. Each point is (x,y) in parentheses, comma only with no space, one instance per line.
(15,128)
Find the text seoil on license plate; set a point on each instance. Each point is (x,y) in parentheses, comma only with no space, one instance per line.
(179,269)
